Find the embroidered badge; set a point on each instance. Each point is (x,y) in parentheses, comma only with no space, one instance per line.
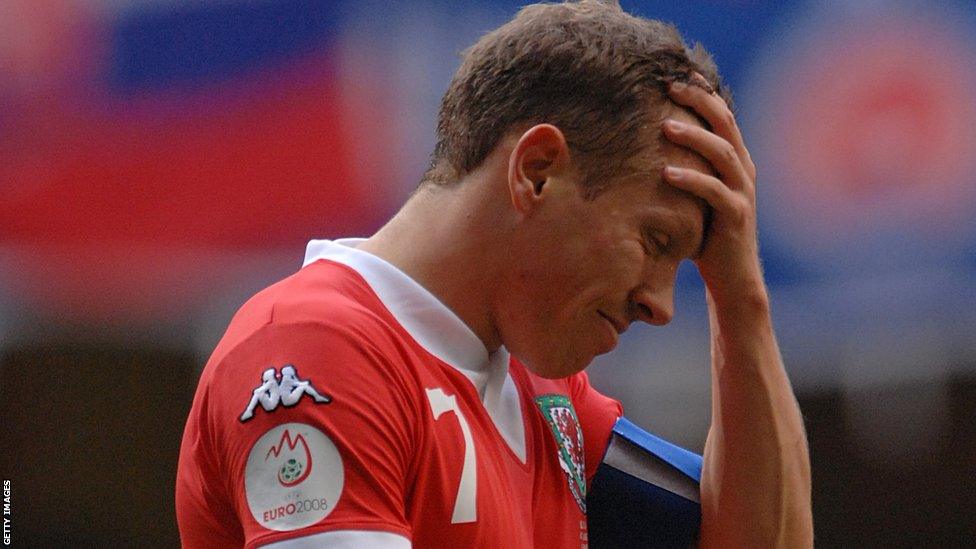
(285,389)
(561,417)
(293,477)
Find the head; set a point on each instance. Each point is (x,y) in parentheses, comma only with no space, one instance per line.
(595,72)
(570,97)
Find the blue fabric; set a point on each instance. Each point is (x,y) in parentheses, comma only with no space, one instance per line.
(687,462)
(625,511)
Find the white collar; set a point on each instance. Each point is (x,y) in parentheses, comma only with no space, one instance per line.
(438,330)
(431,323)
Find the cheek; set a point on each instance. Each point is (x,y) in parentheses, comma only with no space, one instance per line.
(548,283)
(613,262)
(549,327)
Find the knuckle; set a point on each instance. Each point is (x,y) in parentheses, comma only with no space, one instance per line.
(727,119)
(716,191)
(738,213)
(746,207)
(728,154)
(749,166)
(692,101)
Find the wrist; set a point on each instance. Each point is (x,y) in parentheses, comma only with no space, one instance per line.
(740,309)
(733,286)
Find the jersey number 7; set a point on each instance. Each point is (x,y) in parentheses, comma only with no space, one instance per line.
(465,508)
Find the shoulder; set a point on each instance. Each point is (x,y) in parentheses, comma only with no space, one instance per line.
(312,363)
(324,323)
(324,299)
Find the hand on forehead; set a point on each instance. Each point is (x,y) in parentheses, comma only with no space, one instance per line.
(676,154)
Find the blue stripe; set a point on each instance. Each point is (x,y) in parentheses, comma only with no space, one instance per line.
(687,462)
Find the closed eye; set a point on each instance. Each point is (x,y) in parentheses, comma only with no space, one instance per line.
(659,240)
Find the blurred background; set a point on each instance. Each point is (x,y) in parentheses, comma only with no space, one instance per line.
(162,160)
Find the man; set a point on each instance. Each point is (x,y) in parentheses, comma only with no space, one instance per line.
(582,155)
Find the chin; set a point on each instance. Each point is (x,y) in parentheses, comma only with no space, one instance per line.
(555,369)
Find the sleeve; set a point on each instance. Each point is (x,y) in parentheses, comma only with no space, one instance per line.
(597,414)
(316,431)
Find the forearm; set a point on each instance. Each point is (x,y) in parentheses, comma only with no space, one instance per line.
(755,486)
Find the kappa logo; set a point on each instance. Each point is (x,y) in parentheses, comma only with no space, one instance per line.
(285,389)
(561,417)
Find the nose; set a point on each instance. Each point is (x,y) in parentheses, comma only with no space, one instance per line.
(654,305)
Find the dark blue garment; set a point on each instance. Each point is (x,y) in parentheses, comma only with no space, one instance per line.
(645,493)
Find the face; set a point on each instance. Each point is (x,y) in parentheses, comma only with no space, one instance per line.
(583,270)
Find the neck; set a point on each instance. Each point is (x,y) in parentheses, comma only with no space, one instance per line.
(444,238)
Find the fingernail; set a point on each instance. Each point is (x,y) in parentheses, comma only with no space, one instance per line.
(672,172)
(674,125)
(678,86)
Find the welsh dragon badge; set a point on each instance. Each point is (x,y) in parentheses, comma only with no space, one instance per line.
(561,417)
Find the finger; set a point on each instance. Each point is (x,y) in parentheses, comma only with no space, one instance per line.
(711,107)
(716,150)
(716,112)
(705,186)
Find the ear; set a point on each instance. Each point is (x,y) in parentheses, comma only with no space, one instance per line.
(540,154)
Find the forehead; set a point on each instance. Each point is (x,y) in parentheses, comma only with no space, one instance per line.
(644,192)
(659,151)
(651,204)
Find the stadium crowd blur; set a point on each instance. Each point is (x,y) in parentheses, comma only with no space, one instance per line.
(160,161)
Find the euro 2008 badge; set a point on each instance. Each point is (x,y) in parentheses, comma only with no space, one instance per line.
(293,477)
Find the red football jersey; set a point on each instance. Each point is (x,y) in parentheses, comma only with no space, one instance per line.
(347,400)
